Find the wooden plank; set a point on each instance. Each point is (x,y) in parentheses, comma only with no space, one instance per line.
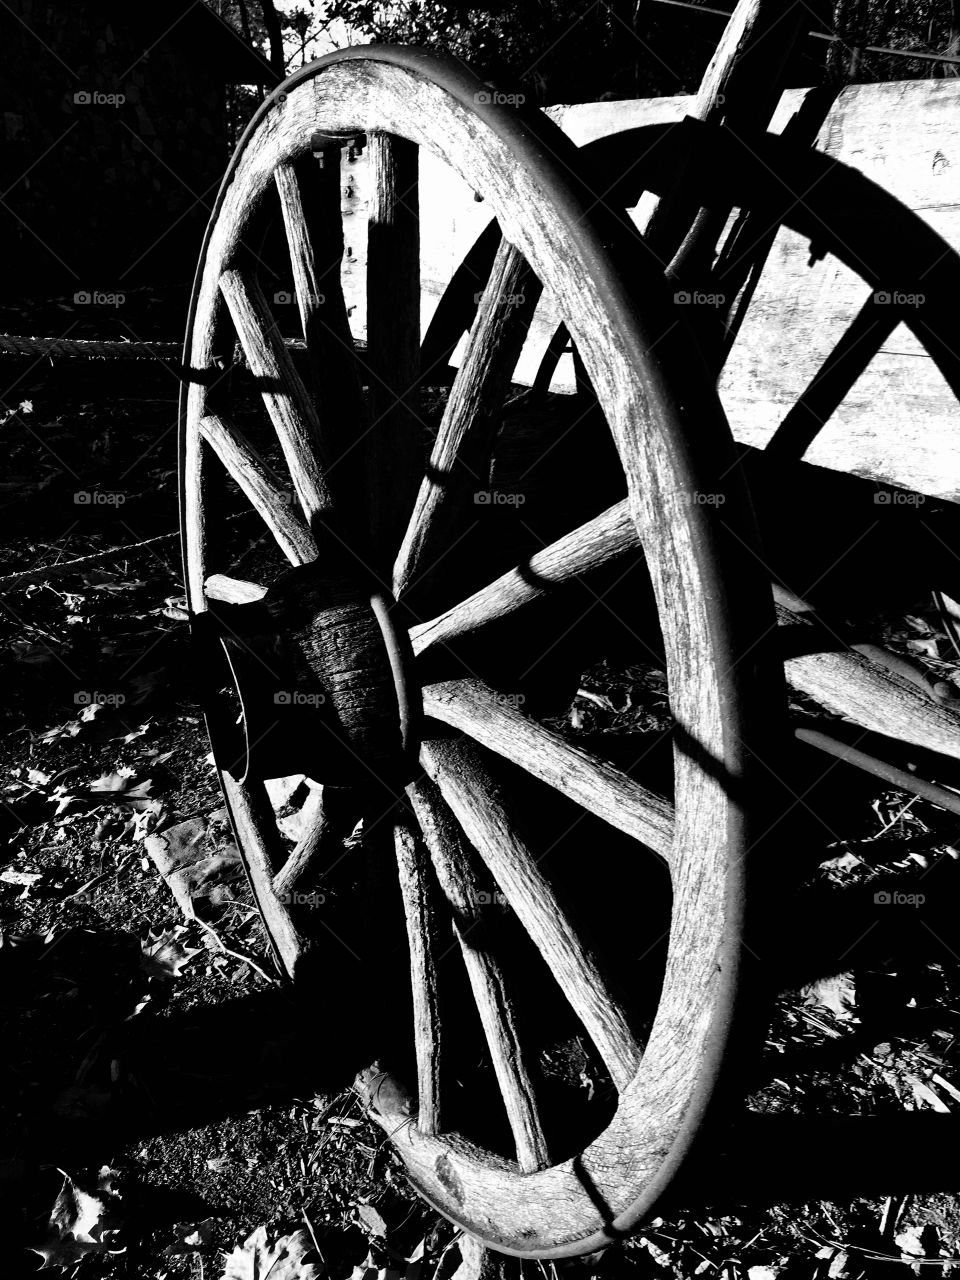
(394,442)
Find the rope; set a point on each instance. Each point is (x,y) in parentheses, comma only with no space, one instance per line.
(43,572)
(15,344)
(96,348)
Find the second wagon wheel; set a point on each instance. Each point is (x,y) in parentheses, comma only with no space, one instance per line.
(312,671)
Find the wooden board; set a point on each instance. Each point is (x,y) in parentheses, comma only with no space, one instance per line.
(900,424)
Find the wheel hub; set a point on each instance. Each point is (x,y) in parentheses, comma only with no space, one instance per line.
(315,678)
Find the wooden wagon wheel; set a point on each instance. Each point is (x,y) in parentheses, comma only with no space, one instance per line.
(317,628)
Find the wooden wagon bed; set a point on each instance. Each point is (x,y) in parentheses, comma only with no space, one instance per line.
(899,424)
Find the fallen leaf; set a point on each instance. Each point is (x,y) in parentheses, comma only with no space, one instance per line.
(190,868)
(371,1219)
(257,1259)
(10,875)
(80,1223)
(164,955)
(836,993)
(843,862)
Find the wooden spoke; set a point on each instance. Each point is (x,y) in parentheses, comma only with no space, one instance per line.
(330,814)
(291,409)
(609,793)
(559,344)
(460,459)
(394,443)
(742,91)
(861,341)
(242,462)
(310,201)
(232,590)
(883,700)
(413,869)
(599,541)
(252,815)
(461,887)
(477,804)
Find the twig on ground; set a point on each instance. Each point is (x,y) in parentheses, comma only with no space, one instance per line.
(237,955)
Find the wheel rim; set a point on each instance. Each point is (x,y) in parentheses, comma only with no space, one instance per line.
(709,597)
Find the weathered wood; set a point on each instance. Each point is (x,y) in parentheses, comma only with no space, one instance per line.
(898,423)
(480,808)
(527,173)
(413,870)
(739,89)
(600,787)
(394,441)
(885,701)
(232,590)
(252,814)
(605,538)
(327,822)
(487,980)
(460,459)
(284,395)
(310,202)
(273,503)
